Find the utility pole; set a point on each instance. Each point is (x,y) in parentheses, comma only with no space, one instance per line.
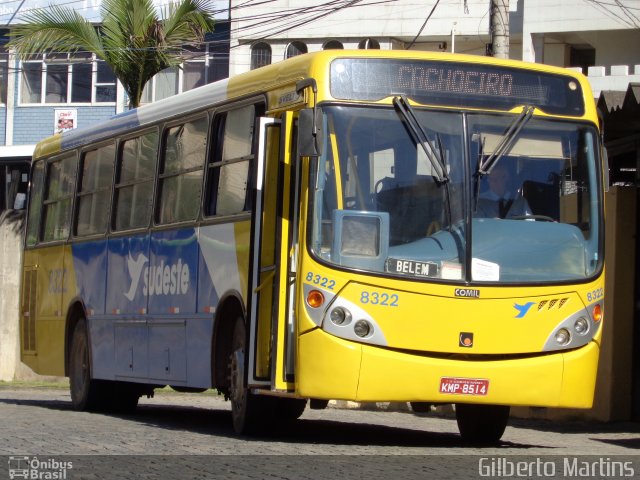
(500,28)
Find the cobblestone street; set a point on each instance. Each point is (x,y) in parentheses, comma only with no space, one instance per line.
(40,422)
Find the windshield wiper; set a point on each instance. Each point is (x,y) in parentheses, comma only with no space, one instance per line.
(435,153)
(507,141)
(435,156)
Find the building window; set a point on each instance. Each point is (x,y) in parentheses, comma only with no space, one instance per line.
(62,78)
(369,44)
(4,74)
(295,48)
(207,63)
(105,84)
(260,55)
(333,45)
(162,85)
(583,56)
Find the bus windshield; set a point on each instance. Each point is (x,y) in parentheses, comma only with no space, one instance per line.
(514,205)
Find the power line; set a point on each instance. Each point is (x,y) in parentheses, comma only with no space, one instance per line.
(604,7)
(423,25)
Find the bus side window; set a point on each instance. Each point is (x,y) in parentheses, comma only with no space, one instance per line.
(183,157)
(94,190)
(134,186)
(60,187)
(35,203)
(231,159)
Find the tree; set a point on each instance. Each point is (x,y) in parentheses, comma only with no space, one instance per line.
(132,39)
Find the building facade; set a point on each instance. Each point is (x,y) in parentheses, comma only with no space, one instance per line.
(55,92)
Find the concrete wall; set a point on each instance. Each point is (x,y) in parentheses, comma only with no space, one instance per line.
(10,265)
(575,15)
(11,239)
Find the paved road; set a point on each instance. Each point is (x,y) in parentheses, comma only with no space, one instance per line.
(190,436)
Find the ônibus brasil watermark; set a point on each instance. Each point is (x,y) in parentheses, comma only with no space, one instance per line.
(33,468)
(563,467)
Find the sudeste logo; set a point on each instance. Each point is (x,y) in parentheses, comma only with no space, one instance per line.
(161,279)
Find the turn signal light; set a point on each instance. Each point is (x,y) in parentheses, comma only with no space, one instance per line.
(315,299)
(597,313)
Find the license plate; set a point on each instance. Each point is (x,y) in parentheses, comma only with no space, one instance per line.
(464,386)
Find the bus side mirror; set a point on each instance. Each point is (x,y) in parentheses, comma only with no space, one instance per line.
(310,133)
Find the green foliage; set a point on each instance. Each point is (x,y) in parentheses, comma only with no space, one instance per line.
(132,39)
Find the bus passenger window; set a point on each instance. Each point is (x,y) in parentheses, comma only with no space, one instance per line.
(60,183)
(229,169)
(94,190)
(181,171)
(35,204)
(134,187)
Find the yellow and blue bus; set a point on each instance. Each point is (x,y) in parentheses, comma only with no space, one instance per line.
(354,225)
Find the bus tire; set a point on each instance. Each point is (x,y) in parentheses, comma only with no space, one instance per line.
(250,413)
(85,391)
(290,409)
(482,424)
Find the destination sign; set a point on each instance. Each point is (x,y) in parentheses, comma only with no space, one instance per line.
(455,84)
(412,267)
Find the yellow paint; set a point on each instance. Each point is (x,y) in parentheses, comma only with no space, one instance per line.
(267,256)
(327,367)
(55,287)
(282,316)
(333,368)
(48,147)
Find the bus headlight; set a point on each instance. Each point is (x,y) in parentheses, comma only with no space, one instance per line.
(581,326)
(340,316)
(348,320)
(576,330)
(362,328)
(563,337)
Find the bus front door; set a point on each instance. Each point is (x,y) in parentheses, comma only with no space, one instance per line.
(271,324)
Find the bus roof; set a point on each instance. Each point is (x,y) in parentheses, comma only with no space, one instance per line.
(276,81)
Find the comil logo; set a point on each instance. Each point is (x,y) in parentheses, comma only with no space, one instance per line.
(161,279)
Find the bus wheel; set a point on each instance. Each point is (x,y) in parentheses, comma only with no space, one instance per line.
(250,412)
(481,423)
(85,393)
(289,409)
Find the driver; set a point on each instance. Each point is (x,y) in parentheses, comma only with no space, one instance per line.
(501,201)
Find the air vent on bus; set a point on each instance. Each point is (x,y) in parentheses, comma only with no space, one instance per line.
(554,302)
